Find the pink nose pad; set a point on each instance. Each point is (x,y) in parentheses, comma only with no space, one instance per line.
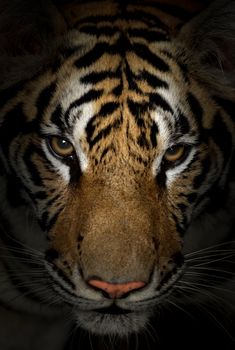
(116,290)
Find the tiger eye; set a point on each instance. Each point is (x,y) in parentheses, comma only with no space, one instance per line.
(61,147)
(175,153)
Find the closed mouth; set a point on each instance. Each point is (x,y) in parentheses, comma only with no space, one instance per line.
(113,310)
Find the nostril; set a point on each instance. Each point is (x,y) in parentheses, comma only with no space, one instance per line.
(115,290)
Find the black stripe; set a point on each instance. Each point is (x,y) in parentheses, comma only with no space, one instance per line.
(95,19)
(142,141)
(105,151)
(117,91)
(65,290)
(138,158)
(183,207)
(148,35)
(90,128)
(158,101)
(44,99)
(90,96)
(121,46)
(94,54)
(108,108)
(136,15)
(147,55)
(161,178)
(195,107)
(106,30)
(63,276)
(145,17)
(47,222)
(56,116)
(179,227)
(153,134)
(152,80)
(137,110)
(52,199)
(184,70)
(67,52)
(31,166)
(131,79)
(62,56)
(104,133)
(182,124)
(75,171)
(199,179)
(97,77)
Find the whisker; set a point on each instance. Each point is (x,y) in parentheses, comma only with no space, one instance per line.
(13,239)
(179,308)
(225,259)
(212,255)
(199,305)
(210,248)
(207,286)
(209,257)
(203,268)
(209,295)
(28,261)
(151,332)
(209,276)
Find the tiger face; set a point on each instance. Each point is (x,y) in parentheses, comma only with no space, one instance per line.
(117,148)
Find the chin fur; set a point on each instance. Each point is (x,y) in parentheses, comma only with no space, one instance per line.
(107,324)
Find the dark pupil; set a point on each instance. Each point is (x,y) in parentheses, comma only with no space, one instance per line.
(173,150)
(63,144)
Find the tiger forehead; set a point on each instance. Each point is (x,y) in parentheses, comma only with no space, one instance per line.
(121,15)
(114,134)
(117,86)
(108,86)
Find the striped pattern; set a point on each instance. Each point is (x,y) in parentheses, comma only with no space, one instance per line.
(120,93)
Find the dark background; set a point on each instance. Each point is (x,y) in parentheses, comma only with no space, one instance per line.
(175,329)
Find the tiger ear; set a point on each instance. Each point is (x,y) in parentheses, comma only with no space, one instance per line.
(207,43)
(30,32)
(26,25)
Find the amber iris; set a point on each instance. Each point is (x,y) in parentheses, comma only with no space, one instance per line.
(175,153)
(61,147)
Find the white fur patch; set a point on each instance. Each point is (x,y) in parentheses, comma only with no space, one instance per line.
(79,131)
(78,118)
(173,173)
(61,168)
(81,115)
(163,120)
(163,139)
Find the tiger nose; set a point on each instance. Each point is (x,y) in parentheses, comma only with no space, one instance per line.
(115,290)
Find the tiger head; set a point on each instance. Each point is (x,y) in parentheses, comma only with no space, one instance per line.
(115,149)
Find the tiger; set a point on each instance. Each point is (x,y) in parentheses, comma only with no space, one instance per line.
(116,165)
